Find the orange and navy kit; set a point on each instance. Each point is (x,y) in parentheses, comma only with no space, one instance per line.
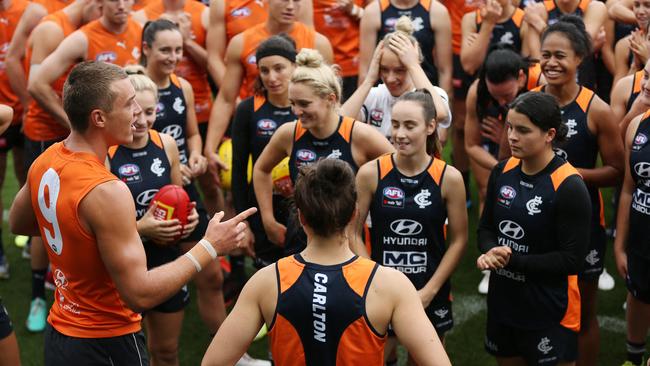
(87,303)
(581,150)
(303,35)
(39,124)
(119,49)
(534,301)
(637,83)
(508,32)
(408,229)
(196,75)
(320,317)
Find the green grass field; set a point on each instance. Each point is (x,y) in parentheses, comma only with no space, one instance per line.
(464,343)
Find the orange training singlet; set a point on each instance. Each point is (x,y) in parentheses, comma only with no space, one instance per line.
(320,317)
(342,30)
(304,36)
(86,301)
(8,21)
(457,9)
(38,124)
(196,75)
(119,49)
(243,14)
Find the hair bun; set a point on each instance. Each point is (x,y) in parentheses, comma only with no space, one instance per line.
(404,25)
(309,58)
(134,70)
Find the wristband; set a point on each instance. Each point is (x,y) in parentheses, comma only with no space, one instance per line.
(196,263)
(206,244)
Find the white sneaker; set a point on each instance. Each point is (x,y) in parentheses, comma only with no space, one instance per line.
(605,281)
(484,284)
(4,268)
(247,360)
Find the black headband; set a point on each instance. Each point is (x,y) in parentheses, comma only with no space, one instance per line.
(275,51)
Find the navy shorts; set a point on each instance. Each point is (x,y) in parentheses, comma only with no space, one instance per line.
(548,346)
(594,263)
(12,137)
(638,277)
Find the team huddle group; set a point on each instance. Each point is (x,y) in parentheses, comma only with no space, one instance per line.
(317,127)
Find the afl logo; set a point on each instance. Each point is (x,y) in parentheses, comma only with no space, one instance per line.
(160,107)
(306,155)
(393,193)
(642,170)
(109,57)
(266,125)
(508,192)
(511,229)
(145,197)
(241,12)
(390,23)
(640,139)
(129,170)
(406,227)
(251,59)
(377,115)
(174,131)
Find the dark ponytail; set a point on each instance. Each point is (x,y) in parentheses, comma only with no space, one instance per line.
(424,98)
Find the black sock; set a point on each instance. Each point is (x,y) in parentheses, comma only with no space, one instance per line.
(635,352)
(38,283)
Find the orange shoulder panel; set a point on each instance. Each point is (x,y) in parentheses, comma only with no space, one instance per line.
(549,5)
(426,4)
(534,71)
(358,274)
(571,318)
(512,162)
(358,346)
(436,170)
(175,80)
(345,130)
(636,83)
(384,4)
(385,164)
(518,17)
(584,4)
(584,99)
(112,150)
(562,173)
(288,271)
(258,102)
(285,343)
(155,138)
(478,17)
(538,89)
(646,114)
(299,131)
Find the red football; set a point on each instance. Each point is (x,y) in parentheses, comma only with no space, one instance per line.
(172,202)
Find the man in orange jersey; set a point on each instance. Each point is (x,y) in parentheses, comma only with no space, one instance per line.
(327,306)
(87,219)
(241,67)
(339,22)
(229,18)
(113,38)
(10,13)
(35,11)
(41,130)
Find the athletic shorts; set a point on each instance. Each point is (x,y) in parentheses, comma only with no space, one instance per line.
(204,218)
(638,277)
(548,346)
(265,251)
(6,328)
(60,349)
(157,255)
(461,81)
(33,149)
(594,263)
(12,137)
